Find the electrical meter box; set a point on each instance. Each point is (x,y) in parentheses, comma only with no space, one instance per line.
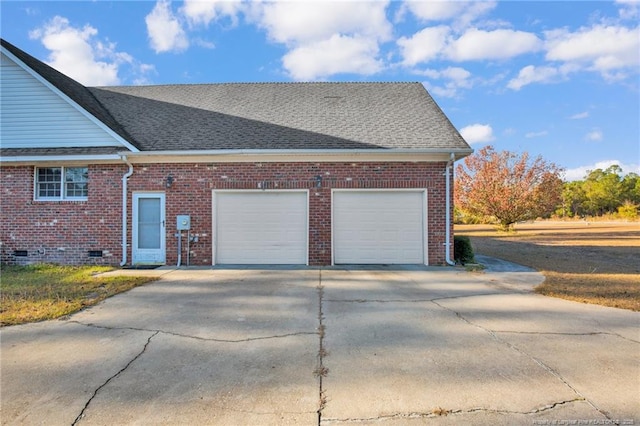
(183,222)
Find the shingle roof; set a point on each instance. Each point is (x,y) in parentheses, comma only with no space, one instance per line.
(264,115)
(281,116)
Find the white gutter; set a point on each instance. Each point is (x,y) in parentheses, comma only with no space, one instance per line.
(226,152)
(125,177)
(293,155)
(447,243)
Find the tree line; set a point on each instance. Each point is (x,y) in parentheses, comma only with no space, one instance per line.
(602,192)
(507,187)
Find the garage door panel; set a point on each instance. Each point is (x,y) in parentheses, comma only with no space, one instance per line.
(373,227)
(261,227)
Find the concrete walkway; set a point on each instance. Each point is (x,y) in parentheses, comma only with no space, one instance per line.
(334,346)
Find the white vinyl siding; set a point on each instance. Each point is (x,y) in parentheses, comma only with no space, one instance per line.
(260,227)
(379,227)
(34,116)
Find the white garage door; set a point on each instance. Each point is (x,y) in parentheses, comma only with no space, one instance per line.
(260,227)
(378,227)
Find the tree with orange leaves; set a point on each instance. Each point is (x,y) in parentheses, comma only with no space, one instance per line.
(507,186)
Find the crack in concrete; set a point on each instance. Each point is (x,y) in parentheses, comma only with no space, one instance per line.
(590,333)
(411,300)
(144,348)
(463,296)
(377,300)
(522,352)
(205,339)
(440,412)
(266,413)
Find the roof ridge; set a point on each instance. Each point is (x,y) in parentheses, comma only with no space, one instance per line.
(259,83)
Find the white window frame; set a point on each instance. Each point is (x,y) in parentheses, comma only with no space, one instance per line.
(63,191)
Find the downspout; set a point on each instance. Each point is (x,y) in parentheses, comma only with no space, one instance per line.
(125,178)
(447,241)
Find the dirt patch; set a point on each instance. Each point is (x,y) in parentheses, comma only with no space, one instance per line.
(587,262)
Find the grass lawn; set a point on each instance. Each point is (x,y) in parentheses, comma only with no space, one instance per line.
(590,262)
(41,292)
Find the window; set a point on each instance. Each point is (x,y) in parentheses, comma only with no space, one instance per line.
(61,183)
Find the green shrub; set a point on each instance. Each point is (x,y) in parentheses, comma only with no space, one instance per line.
(462,250)
(628,211)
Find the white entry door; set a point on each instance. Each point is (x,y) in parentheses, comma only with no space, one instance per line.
(148,242)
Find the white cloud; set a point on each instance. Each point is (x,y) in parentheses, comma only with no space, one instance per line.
(338,54)
(77,53)
(594,136)
(461,13)
(536,134)
(456,78)
(610,50)
(456,73)
(580,115)
(198,41)
(316,34)
(202,12)
(477,44)
(532,74)
(629,9)
(424,45)
(476,133)
(448,90)
(164,29)
(437,42)
(303,22)
(579,173)
(325,38)
(435,10)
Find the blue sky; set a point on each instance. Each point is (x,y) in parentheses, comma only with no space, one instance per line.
(557,79)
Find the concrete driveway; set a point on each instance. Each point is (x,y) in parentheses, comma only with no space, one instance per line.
(302,346)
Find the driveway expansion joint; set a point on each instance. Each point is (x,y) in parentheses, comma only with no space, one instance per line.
(95,392)
(321,371)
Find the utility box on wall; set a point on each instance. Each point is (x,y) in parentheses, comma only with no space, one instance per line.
(183,222)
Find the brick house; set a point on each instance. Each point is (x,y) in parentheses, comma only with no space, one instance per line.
(255,173)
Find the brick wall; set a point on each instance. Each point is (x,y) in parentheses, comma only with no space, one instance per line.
(65,231)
